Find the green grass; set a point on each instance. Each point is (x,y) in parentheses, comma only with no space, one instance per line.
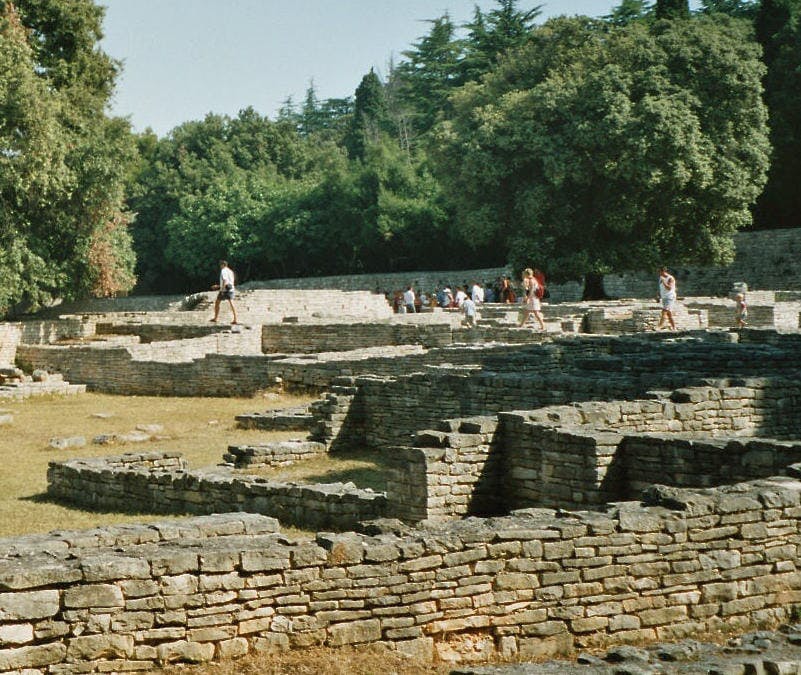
(363,468)
(200,428)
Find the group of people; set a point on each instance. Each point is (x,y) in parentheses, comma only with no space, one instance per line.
(668,295)
(469,297)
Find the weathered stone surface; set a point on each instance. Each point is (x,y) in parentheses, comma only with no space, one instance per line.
(29,605)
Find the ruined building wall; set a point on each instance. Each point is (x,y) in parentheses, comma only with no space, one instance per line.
(10,334)
(765,260)
(589,454)
(159,482)
(533,584)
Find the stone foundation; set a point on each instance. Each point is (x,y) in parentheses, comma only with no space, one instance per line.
(537,583)
(160,483)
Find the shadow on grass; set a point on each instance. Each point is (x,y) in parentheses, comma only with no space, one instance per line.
(373,478)
(45,498)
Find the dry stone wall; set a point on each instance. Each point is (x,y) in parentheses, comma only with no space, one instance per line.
(159,482)
(590,454)
(533,584)
(10,335)
(766,259)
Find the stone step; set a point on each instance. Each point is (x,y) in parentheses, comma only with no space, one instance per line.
(279,453)
(288,419)
(55,387)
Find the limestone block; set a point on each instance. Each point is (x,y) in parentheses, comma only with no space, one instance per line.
(67,442)
(232,649)
(93,595)
(184,651)
(28,605)
(91,647)
(32,656)
(354,632)
(112,568)
(16,634)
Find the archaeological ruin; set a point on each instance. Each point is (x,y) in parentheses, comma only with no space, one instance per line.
(599,483)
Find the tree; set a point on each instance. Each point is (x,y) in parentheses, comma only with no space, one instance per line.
(672,9)
(370,115)
(627,11)
(778,30)
(429,75)
(56,70)
(492,34)
(743,9)
(601,148)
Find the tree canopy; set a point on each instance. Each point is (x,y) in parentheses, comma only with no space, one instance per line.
(63,162)
(595,147)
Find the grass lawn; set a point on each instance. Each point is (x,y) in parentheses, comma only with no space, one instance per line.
(200,428)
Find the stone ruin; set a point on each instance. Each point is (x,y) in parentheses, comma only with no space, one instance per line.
(596,484)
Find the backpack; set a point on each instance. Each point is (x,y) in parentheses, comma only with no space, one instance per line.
(539,292)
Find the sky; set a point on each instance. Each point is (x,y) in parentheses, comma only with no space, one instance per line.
(185,58)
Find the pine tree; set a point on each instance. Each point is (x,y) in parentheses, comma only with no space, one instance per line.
(672,9)
(370,115)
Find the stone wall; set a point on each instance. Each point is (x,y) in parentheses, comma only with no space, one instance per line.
(634,319)
(773,314)
(159,482)
(387,412)
(427,281)
(310,338)
(764,260)
(10,334)
(593,453)
(532,584)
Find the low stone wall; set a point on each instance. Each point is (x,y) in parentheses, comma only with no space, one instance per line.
(593,453)
(311,338)
(764,259)
(532,584)
(427,281)
(160,483)
(778,315)
(10,334)
(633,319)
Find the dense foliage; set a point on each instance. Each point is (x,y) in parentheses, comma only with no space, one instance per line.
(595,148)
(578,145)
(63,162)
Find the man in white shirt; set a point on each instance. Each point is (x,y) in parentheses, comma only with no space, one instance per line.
(667,295)
(408,300)
(461,296)
(225,291)
(477,293)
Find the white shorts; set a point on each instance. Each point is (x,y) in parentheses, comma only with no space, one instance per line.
(668,301)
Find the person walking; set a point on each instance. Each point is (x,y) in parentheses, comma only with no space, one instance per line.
(667,296)
(409,299)
(532,293)
(741,311)
(225,291)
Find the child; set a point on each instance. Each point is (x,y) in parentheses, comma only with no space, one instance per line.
(741,312)
(469,309)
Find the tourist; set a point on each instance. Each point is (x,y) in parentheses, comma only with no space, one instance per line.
(461,296)
(532,292)
(445,297)
(469,309)
(506,294)
(477,293)
(741,311)
(225,291)
(408,300)
(667,296)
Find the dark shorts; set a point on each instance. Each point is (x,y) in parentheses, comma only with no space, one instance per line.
(226,294)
